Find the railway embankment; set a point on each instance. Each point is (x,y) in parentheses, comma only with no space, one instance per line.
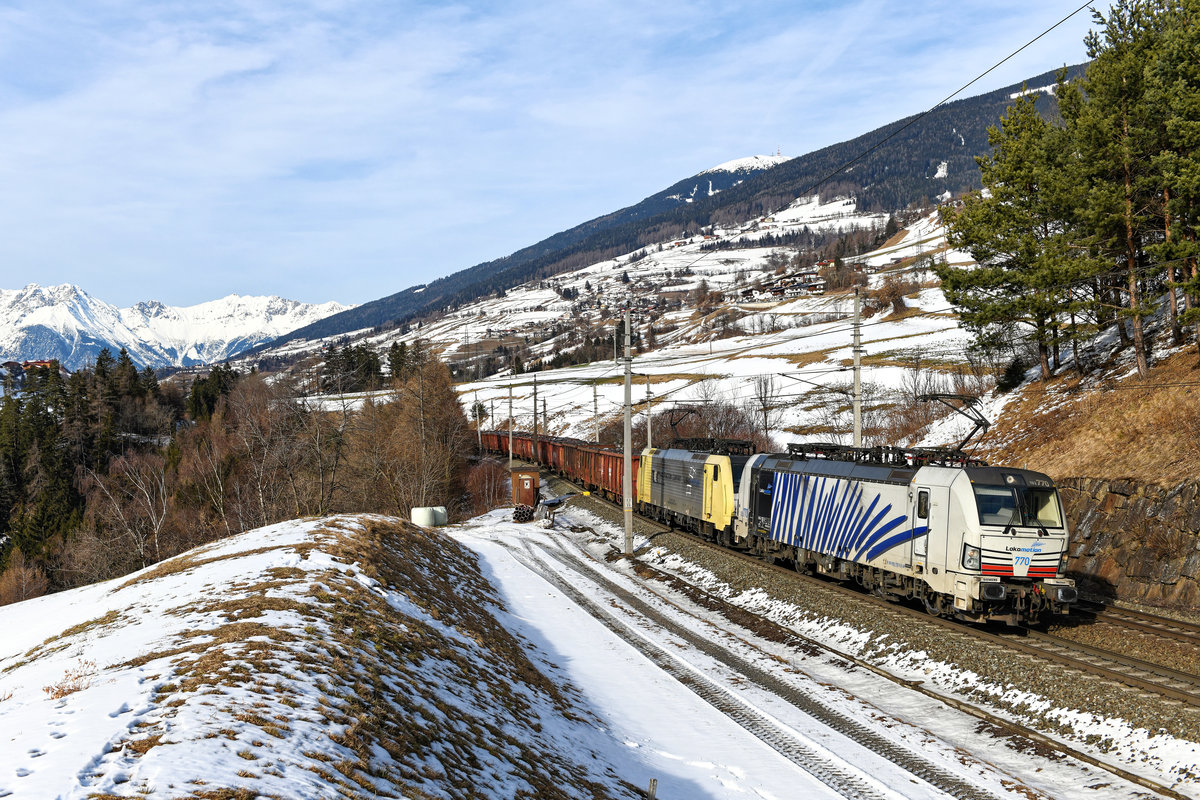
(1135,542)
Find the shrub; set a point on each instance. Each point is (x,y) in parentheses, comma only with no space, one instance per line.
(1012,377)
(76,678)
(488,486)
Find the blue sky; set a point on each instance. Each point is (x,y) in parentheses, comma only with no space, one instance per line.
(341,150)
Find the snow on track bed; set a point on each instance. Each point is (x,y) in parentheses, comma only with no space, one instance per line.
(1059,710)
(1120,672)
(829,770)
(769,730)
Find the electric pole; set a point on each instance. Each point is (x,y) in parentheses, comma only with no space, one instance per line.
(649,415)
(510,423)
(857,370)
(478,422)
(628,483)
(535,425)
(596,413)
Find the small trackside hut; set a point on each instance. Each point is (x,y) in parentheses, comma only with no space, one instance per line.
(525,486)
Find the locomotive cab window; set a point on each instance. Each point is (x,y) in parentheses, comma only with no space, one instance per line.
(1018,505)
(1042,507)
(997,505)
(923,504)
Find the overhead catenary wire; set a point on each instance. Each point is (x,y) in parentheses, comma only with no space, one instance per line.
(852,161)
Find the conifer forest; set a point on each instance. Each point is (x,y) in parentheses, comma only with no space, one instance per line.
(1087,222)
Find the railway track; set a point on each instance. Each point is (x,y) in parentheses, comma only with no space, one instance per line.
(1173,685)
(834,771)
(1146,679)
(1137,675)
(800,642)
(1180,631)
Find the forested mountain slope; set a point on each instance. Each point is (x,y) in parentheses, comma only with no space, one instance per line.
(931,156)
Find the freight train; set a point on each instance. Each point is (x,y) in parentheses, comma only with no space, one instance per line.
(967,540)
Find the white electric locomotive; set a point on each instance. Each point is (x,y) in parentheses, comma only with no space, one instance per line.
(975,542)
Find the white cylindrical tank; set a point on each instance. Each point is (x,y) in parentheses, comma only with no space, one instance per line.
(428,516)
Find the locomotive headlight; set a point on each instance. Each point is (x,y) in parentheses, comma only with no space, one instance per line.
(970,557)
(1062,564)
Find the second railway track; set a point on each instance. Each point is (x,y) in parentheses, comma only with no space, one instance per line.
(1136,674)
(1105,685)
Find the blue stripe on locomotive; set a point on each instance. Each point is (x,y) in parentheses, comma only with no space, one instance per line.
(835,516)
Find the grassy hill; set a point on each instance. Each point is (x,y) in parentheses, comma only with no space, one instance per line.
(1143,429)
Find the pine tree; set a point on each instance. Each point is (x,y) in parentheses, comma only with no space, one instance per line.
(1173,85)
(1017,231)
(397,359)
(125,376)
(1114,131)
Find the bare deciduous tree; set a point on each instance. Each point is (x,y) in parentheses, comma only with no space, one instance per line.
(132,501)
(21,581)
(766,404)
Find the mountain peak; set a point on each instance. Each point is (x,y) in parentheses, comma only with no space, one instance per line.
(749,164)
(66,323)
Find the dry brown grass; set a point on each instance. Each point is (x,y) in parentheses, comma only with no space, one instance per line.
(192,560)
(896,239)
(376,679)
(144,745)
(1149,434)
(796,359)
(109,618)
(75,679)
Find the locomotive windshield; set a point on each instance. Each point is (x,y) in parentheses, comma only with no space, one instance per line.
(1018,505)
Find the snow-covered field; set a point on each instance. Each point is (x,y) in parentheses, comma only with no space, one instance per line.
(344,657)
(802,344)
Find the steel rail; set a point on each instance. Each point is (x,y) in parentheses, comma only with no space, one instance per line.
(954,628)
(1167,627)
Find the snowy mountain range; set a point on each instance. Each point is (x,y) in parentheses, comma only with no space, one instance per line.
(565,250)
(66,323)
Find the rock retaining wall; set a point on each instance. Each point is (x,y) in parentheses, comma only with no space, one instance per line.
(1135,542)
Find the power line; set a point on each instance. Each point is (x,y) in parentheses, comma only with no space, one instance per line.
(851,162)
(945,100)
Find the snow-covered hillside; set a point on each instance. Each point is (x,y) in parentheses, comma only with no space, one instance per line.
(801,344)
(66,323)
(724,176)
(749,164)
(359,656)
(767,326)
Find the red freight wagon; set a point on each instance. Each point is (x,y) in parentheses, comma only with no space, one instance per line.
(596,468)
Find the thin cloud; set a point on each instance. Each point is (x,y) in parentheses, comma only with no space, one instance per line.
(346,150)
